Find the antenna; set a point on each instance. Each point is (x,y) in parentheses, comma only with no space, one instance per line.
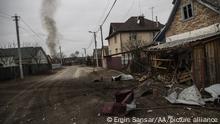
(152,12)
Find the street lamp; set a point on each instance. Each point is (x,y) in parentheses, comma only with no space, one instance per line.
(96,52)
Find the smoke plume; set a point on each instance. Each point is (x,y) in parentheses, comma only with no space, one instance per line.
(47,16)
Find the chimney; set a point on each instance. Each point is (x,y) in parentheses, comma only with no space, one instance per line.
(157,23)
(140,20)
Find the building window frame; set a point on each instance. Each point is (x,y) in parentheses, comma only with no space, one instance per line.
(187,11)
(133,36)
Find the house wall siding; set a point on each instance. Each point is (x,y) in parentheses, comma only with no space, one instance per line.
(206,64)
(114,42)
(145,37)
(203,17)
(213,61)
(120,41)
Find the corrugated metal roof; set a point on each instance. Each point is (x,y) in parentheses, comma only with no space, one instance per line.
(27,52)
(182,42)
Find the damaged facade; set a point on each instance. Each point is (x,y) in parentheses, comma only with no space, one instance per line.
(191,51)
(124,37)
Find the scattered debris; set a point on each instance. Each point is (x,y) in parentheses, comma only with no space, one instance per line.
(113,108)
(184,77)
(149,111)
(188,108)
(143,89)
(29,120)
(143,78)
(214,91)
(123,77)
(131,106)
(190,96)
(124,102)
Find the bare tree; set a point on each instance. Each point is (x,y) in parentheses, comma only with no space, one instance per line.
(135,48)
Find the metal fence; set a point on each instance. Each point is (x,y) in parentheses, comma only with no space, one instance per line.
(7,73)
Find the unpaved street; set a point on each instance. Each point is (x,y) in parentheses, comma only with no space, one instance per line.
(67,97)
(72,96)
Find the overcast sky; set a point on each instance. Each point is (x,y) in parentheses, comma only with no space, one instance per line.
(74,19)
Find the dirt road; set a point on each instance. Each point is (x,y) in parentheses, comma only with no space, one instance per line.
(70,96)
(67,97)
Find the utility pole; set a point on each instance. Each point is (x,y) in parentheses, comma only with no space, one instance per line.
(96,52)
(152,12)
(102,46)
(16,19)
(85,53)
(101,36)
(61,59)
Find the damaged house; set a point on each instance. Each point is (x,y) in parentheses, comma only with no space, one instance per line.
(124,37)
(189,44)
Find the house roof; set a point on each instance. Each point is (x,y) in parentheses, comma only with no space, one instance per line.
(27,52)
(212,4)
(132,25)
(182,42)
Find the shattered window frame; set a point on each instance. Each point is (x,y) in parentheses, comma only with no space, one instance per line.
(187,11)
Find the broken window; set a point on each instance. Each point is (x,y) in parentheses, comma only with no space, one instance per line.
(133,36)
(187,11)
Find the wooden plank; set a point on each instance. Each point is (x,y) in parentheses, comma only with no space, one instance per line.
(199,66)
(217,59)
(186,79)
(163,60)
(159,67)
(210,62)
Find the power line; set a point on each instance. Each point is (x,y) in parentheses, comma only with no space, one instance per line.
(24,29)
(5,17)
(31,29)
(130,8)
(152,12)
(109,12)
(103,14)
(5,14)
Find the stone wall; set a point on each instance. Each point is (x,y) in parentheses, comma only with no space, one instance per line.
(203,17)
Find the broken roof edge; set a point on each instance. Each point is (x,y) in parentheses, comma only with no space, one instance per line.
(209,6)
(182,42)
(173,12)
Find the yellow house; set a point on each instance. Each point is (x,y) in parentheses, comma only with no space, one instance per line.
(123,36)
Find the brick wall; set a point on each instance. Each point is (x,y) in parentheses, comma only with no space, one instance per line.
(203,17)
